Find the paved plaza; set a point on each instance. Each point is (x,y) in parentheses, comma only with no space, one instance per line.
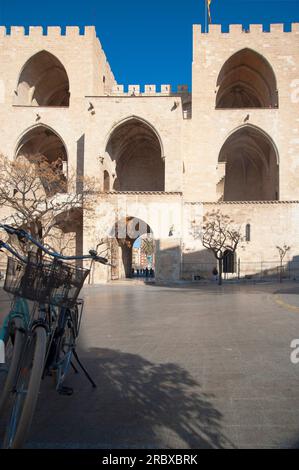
(180,367)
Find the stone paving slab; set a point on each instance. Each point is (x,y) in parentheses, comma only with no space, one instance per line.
(288,296)
(179,367)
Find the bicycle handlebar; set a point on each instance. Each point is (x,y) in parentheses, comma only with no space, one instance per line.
(23,236)
(12,251)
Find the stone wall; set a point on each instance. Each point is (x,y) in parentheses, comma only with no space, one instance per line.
(189,134)
(211,127)
(271,225)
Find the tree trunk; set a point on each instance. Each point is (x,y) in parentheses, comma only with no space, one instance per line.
(220,272)
(37,233)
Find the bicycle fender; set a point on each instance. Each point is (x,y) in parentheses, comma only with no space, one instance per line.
(20,309)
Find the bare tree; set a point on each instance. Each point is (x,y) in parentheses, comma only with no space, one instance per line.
(282,251)
(60,241)
(220,235)
(36,192)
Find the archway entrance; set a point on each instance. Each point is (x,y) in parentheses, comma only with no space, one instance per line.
(132,248)
(143,257)
(251,171)
(136,151)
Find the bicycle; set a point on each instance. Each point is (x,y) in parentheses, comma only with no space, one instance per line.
(41,330)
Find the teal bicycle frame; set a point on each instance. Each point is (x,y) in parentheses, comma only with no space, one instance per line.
(19,309)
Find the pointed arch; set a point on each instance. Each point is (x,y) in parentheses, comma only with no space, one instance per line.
(43,81)
(258,130)
(30,131)
(40,142)
(246,80)
(251,166)
(136,150)
(138,119)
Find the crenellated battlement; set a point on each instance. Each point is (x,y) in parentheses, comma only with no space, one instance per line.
(149,90)
(239,29)
(50,31)
(89,31)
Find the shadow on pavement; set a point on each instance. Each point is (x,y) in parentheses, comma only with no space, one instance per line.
(138,404)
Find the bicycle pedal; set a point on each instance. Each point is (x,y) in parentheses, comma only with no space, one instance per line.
(68,391)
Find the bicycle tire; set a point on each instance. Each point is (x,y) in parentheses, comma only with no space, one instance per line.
(16,343)
(35,358)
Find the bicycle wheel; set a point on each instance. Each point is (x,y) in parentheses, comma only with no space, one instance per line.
(26,390)
(13,350)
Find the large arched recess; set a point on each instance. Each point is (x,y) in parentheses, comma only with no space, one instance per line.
(42,142)
(43,81)
(246,80)
(136,149)
(251,166)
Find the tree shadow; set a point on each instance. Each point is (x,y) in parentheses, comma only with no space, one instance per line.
(138,404)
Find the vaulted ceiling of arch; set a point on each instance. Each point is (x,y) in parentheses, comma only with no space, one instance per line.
(246,80)
(129,138)
(249,145)
(41,141)
(43,82)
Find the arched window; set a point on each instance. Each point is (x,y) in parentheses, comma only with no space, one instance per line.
(43,82)
(246,80)
(106,182)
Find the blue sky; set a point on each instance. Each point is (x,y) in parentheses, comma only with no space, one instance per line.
(147,41)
